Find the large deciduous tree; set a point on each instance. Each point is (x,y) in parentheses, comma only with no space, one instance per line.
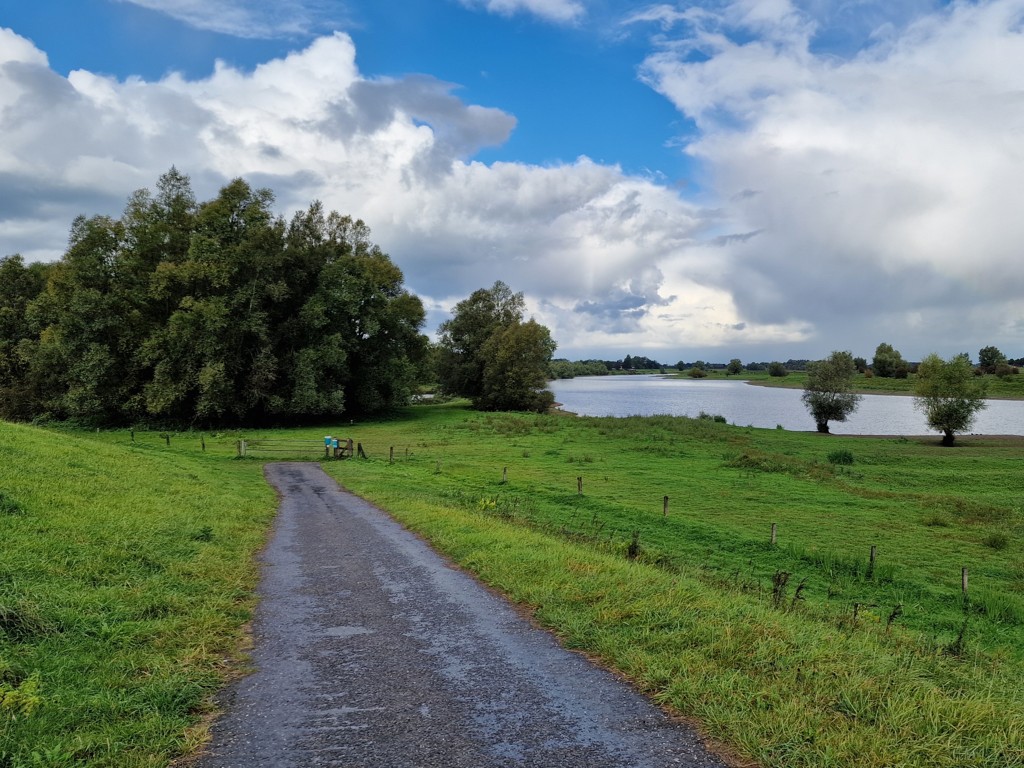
(214,313)
(488,354)
(949,394)
(990,358)
(20,285)
(888,363)
(828,391)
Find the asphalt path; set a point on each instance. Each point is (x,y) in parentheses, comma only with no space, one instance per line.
(372,650)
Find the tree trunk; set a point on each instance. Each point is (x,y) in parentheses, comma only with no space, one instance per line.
(948,437)
(823,427)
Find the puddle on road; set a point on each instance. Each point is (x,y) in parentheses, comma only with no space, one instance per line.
(347,631)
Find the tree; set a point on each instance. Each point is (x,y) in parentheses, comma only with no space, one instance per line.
(491,356)
(887,361)
(777,369)
(19,286)
(989,358)
(734,367)
(948,394)
(517,357)
(828,391)
(212,313)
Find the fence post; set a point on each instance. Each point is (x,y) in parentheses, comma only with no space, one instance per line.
(504,476)
(664,508)
(775,531)
(391,455)
(963,580)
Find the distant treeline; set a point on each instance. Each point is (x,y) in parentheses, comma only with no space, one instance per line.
(567,369)
(208,313)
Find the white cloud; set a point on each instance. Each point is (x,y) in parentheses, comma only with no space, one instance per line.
(599,252)
(240,18)
(562,11)
(883,186)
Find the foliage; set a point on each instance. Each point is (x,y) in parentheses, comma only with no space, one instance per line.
(828,390)
(489,355)
(948,394)
(734,367)
(841,457)
(565,369)
(211,313)
(989,358)
(888,363)
(777,369)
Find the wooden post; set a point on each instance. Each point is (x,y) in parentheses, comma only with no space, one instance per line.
(243,448)
(579,486)
(348,447)
(504,476)
(391,455)
(963,580)
(133,435)
(664,507)
(167,437)
(775,531)
(202,440)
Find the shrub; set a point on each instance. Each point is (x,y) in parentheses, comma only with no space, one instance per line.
(841,456)
(696,373)
(777,369)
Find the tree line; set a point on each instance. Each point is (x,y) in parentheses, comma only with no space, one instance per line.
(220,313)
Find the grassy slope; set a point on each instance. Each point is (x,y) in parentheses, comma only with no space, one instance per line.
(693,621)
(125,614)
(126,574)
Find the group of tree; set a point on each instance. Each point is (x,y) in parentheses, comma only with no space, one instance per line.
(948,392)
(568,369)
(219,312)
(490,355)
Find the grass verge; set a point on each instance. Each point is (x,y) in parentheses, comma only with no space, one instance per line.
(126,575)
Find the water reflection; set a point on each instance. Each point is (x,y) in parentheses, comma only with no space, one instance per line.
(745,404)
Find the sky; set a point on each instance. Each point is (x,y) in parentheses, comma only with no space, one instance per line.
(762,179)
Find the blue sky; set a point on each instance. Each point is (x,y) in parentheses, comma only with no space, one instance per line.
(754,178)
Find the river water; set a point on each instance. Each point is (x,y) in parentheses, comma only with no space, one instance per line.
(748,405)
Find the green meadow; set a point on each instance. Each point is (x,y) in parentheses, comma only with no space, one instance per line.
(126,575)
(127,569)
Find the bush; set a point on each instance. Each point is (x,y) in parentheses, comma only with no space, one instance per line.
(777,369)
(697,373)
(841,456)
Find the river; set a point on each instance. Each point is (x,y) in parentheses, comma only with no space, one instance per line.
(748,405)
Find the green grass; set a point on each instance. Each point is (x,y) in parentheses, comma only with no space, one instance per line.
(860,666)
(1004,388)
(128,574)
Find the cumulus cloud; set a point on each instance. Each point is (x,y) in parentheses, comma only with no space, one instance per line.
(600,254)
(877,191)
(561,11)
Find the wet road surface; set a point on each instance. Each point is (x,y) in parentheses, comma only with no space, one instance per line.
(371,651)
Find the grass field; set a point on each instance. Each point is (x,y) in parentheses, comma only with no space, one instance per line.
(126,575)
(793,654)
(1006,387)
